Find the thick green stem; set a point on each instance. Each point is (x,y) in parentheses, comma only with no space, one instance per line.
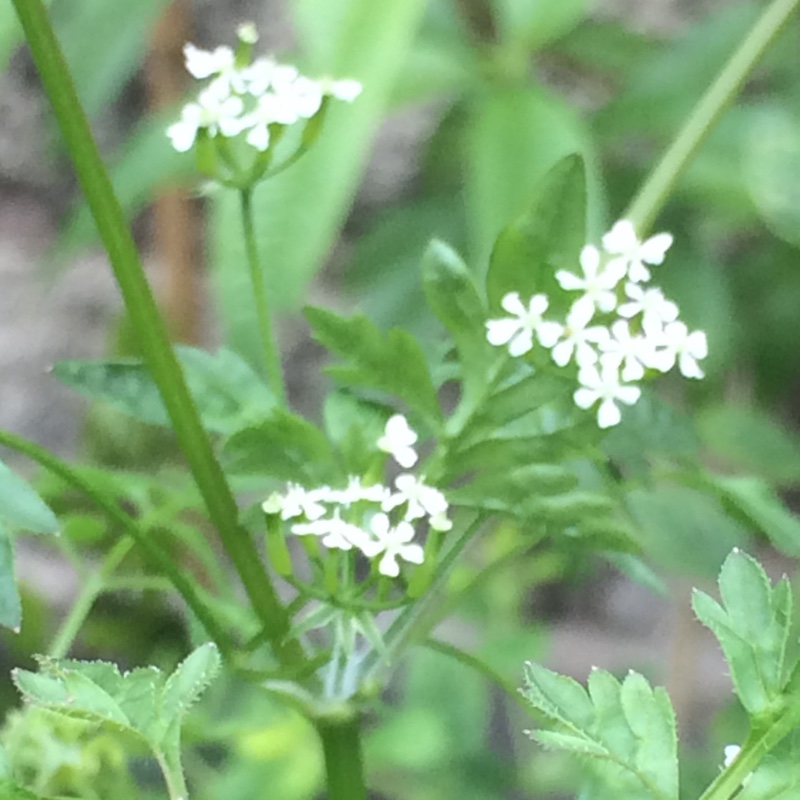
(149,326)
(659,185)
(269,349)
(340,733)
(159,557)
(91,589)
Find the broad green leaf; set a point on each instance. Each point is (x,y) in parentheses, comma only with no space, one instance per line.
(453,296)
(752,626)
(757,504)
(283,445)
(299,213)
(777,776)
(675,520)
(772,170)
(534,23)
(392,362)
(515,136)
(626,731)
(748,439)
(549,236)
(227,391)
(21,507)
(104,44)
(10,605)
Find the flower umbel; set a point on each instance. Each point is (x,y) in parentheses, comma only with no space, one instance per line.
(518,330)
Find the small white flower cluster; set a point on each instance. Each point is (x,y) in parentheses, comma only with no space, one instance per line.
(249,97)
(373,519)
(634,328)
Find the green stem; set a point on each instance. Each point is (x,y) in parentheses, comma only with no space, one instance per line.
(272,360)
(160,558)
(659,185)
(149,326)
(340,733)
(91,589)
(172,771)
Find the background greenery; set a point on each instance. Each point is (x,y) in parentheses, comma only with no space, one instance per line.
(509,87)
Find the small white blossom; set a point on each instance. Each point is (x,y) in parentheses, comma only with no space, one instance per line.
(213,111)
(398,440)
(356,492)
(598,284)
(578,340)
(604,386)
(518,330)
(623,243)
(685,348)
(346,89)
(731,751)
(393,542)
(420,499)
(220,64)
(334,532)
(655,309)
(247,33)
(296,502)
(629,353)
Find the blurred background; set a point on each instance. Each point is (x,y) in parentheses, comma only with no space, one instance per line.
(467,103)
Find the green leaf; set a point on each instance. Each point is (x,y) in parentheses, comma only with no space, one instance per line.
(758,505)
(772,170)
(515,137)
(750,440)
(189,680)
(283,445)
(534,24)
(228,392)
(9,790)
(548,237)
(392,362)
(626,731)
(752,626)
(299,212)
(675,520)
(21,507)
(454,298)
(10,605)
(354,426)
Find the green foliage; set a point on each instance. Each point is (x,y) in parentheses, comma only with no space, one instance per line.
(21,507)
(626,729)
(227,391)
(752,626)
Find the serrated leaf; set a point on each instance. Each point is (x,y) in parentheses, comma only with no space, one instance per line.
(189,680)
(623,729)
(21,507)
(392,362)
(752,626)
(354,425)
(226,389)
(453,296)
(285,446)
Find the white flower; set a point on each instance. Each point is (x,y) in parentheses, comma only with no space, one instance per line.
(296,502)
(394,543)
(421,500)
(621,241)
(518,330)
(731,751)
(597,284)
(356,492)
(630,353)
(655,309)
(334,532)
(687,348)
(398,440)
(220,64)
(214,111)
(605,386)
(577,339)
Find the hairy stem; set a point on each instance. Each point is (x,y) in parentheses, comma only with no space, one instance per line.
(269,349)
(149,326)
(662,180)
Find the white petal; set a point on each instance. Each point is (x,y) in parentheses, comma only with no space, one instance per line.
(562,353)
(548,333)
(500,331)
(405,457)
(608,414)
(182,136)
(388,565)
(621,238)
(638,272)
(585,398)
(347,90)
(569,281)
(521,343)
(632,370)
(590,260)
(629,394)
(584,306)
(258,137)
(697,344)
(689,367)
(655,248)
(538,305)
(413,553)
(513,304)
(606,301)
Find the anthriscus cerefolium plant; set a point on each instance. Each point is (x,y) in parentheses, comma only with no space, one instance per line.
(310,555)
